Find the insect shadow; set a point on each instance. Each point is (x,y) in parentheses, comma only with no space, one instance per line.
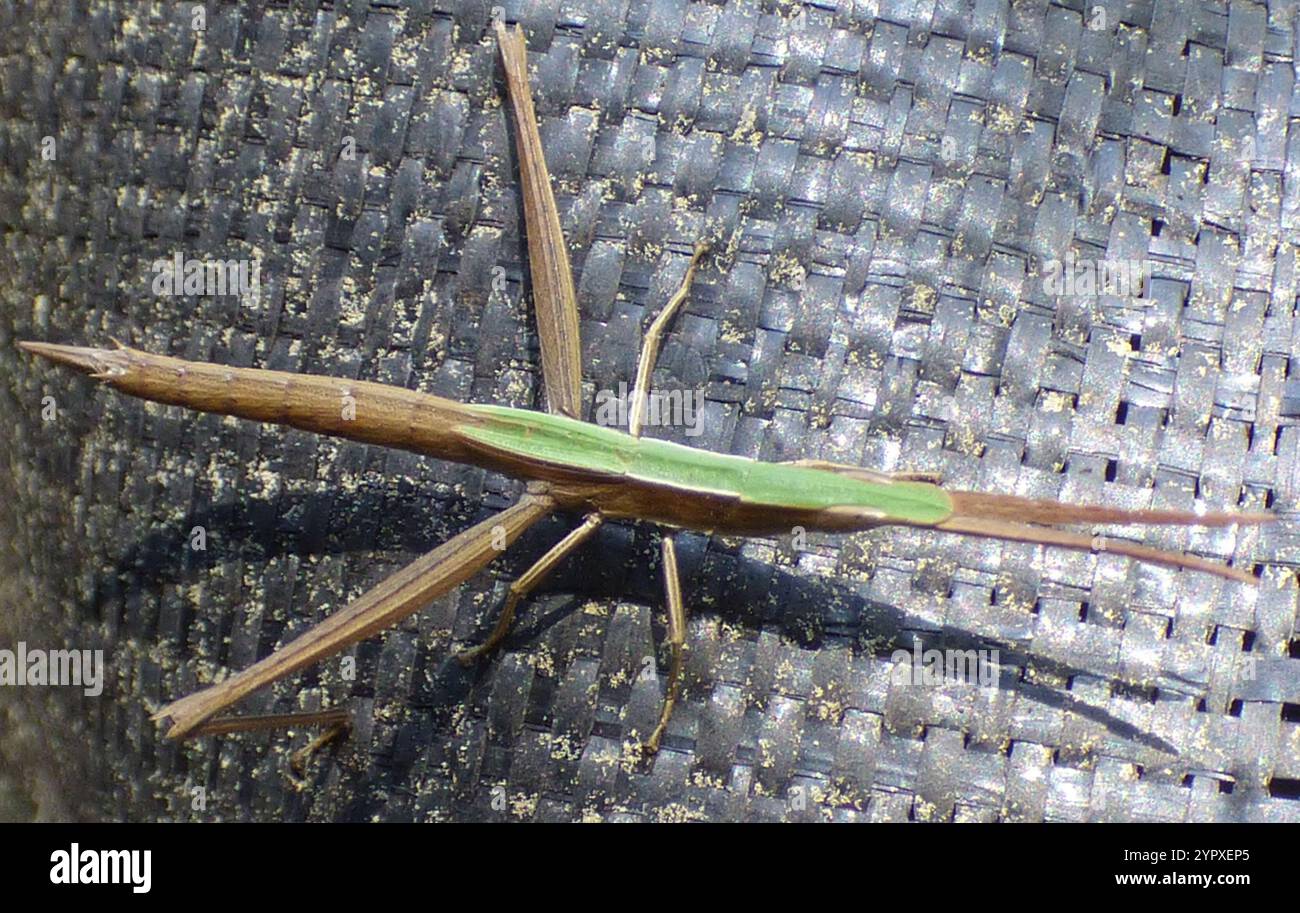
(618,564)
(811,612)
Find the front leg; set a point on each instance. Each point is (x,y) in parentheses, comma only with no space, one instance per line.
(522,586)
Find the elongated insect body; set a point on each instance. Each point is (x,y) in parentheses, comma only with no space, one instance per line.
(591,468)
(570,465)
(623,476)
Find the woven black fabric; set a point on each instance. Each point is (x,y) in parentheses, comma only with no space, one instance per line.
(884,185)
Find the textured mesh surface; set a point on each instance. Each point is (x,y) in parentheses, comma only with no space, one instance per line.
(882,182)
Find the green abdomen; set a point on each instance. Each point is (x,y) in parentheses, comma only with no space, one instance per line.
(540,445)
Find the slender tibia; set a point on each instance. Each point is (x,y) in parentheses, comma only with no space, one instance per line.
(650,347)
(676,641)
(1043,535)
(396,597)
(260,722)
(525,583)
(336,723)
(298,760)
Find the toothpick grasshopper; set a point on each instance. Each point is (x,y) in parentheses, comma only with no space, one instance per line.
(574,467)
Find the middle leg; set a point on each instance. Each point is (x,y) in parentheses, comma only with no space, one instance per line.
(525,583)
(676,641)
(650,347)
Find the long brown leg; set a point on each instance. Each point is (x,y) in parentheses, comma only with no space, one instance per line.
(676,641)
(258,722)
(650,347)
(554,301)
(336,723)
(1046,535)
(672,580)
(522,586)
(396,597)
